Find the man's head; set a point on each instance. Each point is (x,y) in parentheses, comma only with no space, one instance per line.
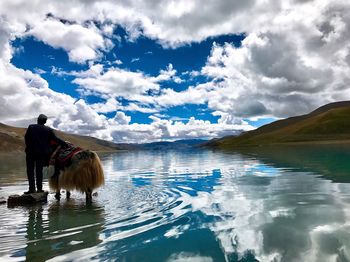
(42,119)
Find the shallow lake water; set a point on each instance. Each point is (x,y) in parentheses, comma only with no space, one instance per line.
(194,205)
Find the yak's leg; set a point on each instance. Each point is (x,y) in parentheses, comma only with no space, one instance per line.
(58,191)
(67,194)
(88,195)
(55,177)
(58,194)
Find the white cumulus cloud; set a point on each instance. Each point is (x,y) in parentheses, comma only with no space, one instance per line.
(81,43)
(295,57)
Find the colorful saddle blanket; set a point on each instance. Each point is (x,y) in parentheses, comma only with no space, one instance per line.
(64,155)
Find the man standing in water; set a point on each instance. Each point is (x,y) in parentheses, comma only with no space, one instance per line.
(38,149)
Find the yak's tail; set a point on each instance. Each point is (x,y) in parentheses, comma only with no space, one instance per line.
(53,183)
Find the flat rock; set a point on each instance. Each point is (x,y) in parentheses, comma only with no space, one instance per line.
(27,199)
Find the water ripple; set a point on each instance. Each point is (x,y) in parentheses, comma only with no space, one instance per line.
(221,207)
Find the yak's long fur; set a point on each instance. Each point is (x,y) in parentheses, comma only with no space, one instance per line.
(84,174)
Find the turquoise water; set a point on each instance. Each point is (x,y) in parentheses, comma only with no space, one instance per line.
(263,205)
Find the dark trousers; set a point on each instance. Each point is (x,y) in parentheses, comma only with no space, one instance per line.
(37,162)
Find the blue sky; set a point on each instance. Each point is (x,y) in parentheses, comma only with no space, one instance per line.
(132,71)
(139,55)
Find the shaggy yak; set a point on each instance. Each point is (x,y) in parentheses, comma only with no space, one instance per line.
(76,169)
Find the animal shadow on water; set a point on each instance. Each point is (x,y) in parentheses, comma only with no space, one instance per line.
(84,174)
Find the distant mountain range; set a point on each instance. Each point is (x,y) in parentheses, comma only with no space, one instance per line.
(327,124)
(165,145)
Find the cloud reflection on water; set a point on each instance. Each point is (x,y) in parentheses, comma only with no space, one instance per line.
(250,207)
(194,205)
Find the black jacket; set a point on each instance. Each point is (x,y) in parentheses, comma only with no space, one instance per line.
(38,140)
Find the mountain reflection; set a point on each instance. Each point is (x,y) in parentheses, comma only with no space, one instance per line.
(330,161)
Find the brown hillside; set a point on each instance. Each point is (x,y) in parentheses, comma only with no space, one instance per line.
(329,123)
(12,140)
